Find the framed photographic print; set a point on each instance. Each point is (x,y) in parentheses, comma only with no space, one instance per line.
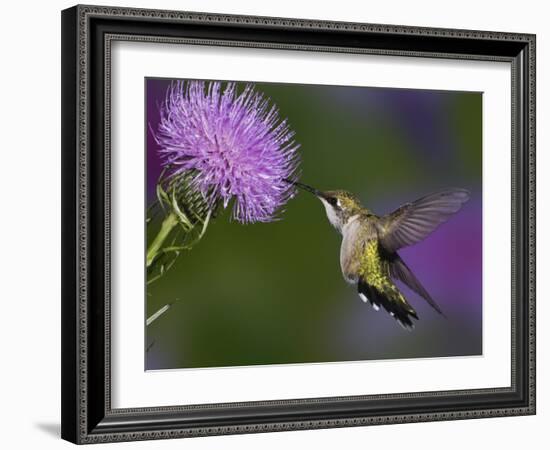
(281,224)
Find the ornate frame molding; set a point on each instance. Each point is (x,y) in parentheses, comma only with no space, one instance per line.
(85,421)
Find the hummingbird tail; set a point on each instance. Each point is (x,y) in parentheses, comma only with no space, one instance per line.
(391,300)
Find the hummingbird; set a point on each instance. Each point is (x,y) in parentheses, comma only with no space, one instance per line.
(369,255)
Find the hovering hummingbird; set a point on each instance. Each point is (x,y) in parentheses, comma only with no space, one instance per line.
(368,254)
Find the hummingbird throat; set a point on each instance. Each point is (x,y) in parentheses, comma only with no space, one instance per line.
(334,218)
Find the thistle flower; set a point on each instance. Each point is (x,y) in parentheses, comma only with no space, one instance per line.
(230,146)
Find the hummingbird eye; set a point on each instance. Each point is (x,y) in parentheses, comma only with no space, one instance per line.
(334,201)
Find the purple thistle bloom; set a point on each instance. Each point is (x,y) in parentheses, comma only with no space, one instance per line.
(233,146)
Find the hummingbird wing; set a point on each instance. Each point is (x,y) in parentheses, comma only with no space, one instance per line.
(400,271)
(412,222)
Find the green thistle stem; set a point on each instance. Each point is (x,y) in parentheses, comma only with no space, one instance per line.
(168,224)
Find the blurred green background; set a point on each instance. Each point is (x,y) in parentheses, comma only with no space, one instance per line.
(274,293)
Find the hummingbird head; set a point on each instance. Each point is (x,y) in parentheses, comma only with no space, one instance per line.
(340,206)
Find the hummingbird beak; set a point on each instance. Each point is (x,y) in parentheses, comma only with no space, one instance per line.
(305,187)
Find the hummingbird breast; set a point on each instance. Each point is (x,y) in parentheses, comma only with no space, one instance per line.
(358,231)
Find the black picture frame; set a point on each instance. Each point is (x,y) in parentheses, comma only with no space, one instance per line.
(87,33)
